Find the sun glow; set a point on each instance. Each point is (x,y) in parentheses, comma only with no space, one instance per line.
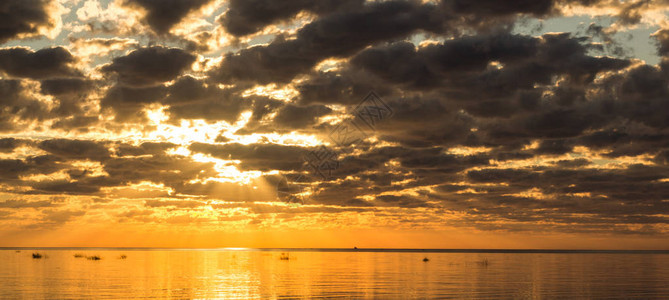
(284,94)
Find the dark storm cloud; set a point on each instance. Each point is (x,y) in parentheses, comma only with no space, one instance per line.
(65,86)
(249,16)
(488,14)
(559,120)
(662,37)
(554,146)
(11,169)
(458,76)
(630,12)
(299,117)
(169,170)
(574,163)
(191,98)
(263,157)
(434,159)
(187,98)
(128,102)
(334,35)
(424,122)
(402,63)
(161,15)
(499,8)
(348,86)
(288,117)
(78,123)
(663,158)
(43,63)
(20,106)
(634,185)
(7,145)
(147,162)
(369,173)
(464,92)
(551,123)
(606,195)
(69,93)
(462,65)
(246,17)
(83,186)
(623,141)
(150,65)
(645,94)
(23,17)
(76,149)
(460,99)
(261,108)
(17,103)
(400,201)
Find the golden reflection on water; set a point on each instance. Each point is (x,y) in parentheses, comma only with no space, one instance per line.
(231,274)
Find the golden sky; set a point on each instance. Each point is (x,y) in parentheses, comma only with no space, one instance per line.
(404,124)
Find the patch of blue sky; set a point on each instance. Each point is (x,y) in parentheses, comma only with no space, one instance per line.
(638,41)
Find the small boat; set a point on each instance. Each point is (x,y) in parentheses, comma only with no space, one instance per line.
(426,259)
(37,255)
(284,256)
(94,257)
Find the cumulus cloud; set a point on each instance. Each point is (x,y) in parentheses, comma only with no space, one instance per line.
(43,164)
(75,149)
(150,65)
(246,17)
(334,35)
(24,18)
(8,145)
(192,98)
(19,104)
(256,157)
(161,15)
(43,63)
(64,86)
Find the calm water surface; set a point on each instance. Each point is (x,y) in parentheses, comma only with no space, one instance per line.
(227,274)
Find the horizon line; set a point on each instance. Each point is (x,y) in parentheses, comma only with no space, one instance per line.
(354,249)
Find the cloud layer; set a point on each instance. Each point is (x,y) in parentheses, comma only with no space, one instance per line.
(495,126)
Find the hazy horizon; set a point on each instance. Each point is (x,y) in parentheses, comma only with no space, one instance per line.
(363,250)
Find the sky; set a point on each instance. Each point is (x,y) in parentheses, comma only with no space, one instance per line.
(396,123)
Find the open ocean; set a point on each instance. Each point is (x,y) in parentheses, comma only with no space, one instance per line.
(331,273)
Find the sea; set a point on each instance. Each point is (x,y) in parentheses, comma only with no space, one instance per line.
(239,273)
